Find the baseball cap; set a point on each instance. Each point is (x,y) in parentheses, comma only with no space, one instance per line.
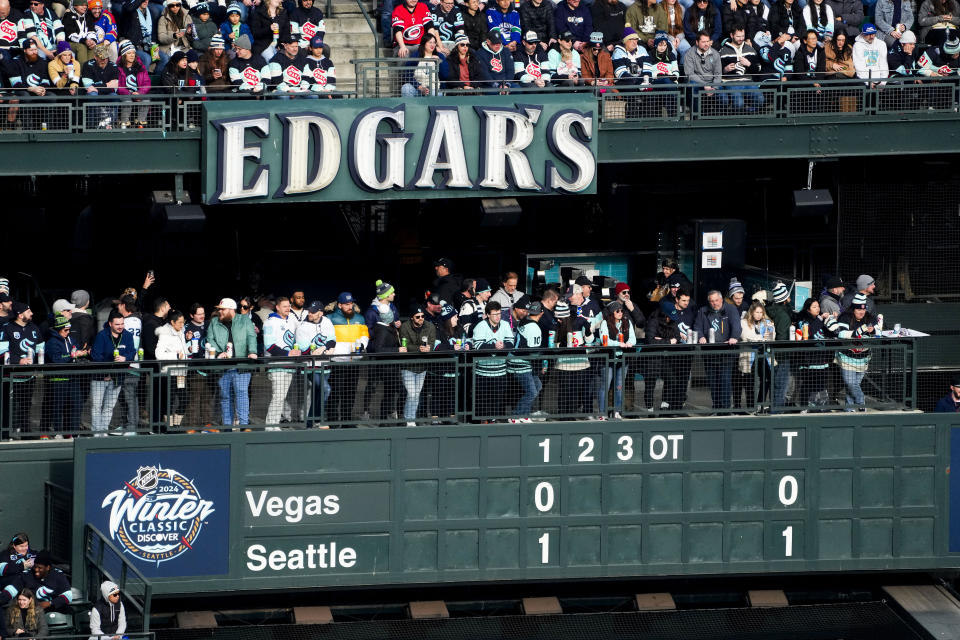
(29,42)
(345,298)
(869,28)
(535,308)
(435,299)
(227,303)
(62,305)
(444,262)
(955,380)
(574,290)
(315,306)
(316,41)
(19,307)
(531,36)
(583,280)
(286,38)
(522,302)
(566,35)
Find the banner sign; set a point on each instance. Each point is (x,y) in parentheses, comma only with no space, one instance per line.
(168,510)
(343,150)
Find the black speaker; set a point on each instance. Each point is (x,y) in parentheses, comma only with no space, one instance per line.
(812,203)
(186,218)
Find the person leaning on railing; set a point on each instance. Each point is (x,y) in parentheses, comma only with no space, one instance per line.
(855,324)
(66,393)
(839,54)
(462,70)
(755,327)
(228,331)
(108,618)
(417,336)
(64,71)
(214,66)
(492,334)
(171,345)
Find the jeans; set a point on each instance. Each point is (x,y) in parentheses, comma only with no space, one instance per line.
(317,396)
(279,384)
(852,380)
(413,384)
(235,395)
(781,379)
(615,375)
(738,93)
(103,397)
(531,386)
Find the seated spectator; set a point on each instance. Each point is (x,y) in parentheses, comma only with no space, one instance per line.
(857,324)
(660,65)
(776,56)
(410,21)
(531,66)
(174,31)
(425,81)
(286,68)
(100,77)
(24,618)
(537,16)
(811,64)
(42,26)
(848,14)
(63,71)
(642,18)
(79,30)
(893,18)
(670,19)
(108,618)
(105,27)
(870,55)
(307,20)
(701,64)
(950,403)
(565,62)
(903,60)
(475,23)
(462,71)
(628,59)
(17,560)
(141,30)
(204,29)
(839,58)
(448,21)
(248,70)
(215,66)
(28,72)
(596,63)
(941,61)
(818,16)
(320,67)
(504,19)
(572,16)
(702,16)
(233,28)
(938,20)
(180,77)
(739,62)
(495,61)
(50,585)
(786,16)
(133,80)
(417,336)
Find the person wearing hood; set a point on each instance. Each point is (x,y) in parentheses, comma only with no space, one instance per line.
(108,618)
(831,297)
(628,59)
(870,55)
(171,345)
(495,61)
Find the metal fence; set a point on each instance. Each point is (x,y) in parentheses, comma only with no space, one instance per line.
(105,562)
(400,77)
(447,388)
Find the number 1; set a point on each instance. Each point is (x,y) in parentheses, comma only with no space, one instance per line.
(544,541)
(788,534)
(545,444)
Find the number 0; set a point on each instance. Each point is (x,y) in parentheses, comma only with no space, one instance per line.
(788,542)
(544,541)
(543,496)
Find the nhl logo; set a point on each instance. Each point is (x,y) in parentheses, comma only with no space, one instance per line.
(147,478)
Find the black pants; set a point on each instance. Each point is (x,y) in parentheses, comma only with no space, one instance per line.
(574,395)
(491,392)
(22,403)
(66,400)
(676,375)
(343,392)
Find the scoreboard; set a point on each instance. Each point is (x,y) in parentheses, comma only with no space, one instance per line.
(657,497)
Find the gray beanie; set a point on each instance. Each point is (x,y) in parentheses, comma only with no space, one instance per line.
(80,298)
(243,42)
(863,282)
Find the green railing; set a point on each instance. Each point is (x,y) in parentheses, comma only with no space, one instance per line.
(455,387)
(105,562)
(652,106)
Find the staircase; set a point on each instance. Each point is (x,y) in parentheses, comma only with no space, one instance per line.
(349,37)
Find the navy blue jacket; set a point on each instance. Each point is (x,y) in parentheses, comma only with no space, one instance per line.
(58,350)
(946,404)
(104,345)
(726,322)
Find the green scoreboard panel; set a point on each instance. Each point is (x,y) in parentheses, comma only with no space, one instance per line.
(708,496)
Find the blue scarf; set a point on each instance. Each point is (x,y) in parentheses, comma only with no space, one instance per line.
(146,25)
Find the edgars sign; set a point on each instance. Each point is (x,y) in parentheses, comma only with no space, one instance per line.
(168,510)
(341,150)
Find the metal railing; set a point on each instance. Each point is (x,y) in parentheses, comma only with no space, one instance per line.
(740,103)
(390,389)
(103,561)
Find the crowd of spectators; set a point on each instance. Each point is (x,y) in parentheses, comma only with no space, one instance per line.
(727,48)
(506,330)
(31,587)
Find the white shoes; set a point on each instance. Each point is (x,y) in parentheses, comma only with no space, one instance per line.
(411,423)
(617,416)
(520,421)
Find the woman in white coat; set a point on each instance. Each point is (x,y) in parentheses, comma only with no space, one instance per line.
(171,345)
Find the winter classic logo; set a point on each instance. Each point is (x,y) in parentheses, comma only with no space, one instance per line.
(157,515)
